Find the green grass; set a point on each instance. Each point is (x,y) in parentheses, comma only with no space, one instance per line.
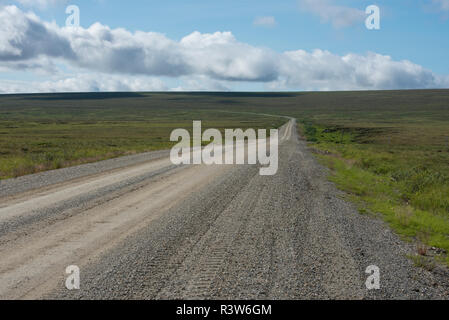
(408,184)
(423,262)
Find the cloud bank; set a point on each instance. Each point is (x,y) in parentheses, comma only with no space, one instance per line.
(101,58)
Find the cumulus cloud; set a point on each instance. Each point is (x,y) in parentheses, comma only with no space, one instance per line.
(124,60)
(221,56)
(24,37)
(326,71)
(100,48)
(265,22)
(339,16)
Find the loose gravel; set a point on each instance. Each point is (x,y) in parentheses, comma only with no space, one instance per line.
(19,185)
(245,236)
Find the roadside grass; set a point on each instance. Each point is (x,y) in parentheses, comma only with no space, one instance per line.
(423,262)
(408,184)
(35,147)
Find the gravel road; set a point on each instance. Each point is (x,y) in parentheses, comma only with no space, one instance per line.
(141,228)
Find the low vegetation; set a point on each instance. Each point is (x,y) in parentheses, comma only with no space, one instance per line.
(407,183)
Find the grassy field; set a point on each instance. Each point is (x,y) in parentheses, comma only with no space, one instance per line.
(44,132)
(389,150)
(392,158)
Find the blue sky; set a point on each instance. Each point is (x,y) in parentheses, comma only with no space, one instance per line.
(412,30)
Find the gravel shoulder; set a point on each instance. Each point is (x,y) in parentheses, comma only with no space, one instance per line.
(23,184)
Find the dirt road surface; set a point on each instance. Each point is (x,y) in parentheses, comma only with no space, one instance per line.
(142,228)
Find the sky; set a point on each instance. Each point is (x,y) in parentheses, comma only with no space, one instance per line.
(218,45)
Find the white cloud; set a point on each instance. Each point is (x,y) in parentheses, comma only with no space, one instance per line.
(116,59)
(24,37)
(338,16)
(265,22)
(85,83)
(221,56)
(39,4)
(323,70)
